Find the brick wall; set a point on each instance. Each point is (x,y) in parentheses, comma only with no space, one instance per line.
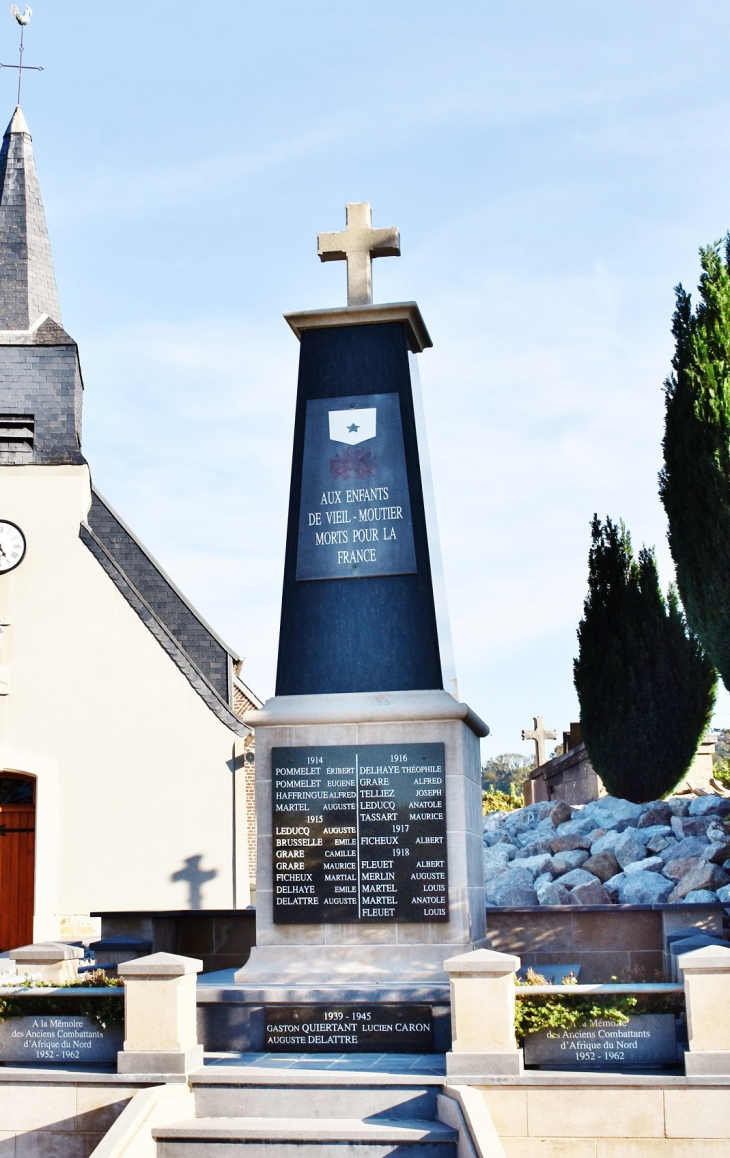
(243,703)
(250,783)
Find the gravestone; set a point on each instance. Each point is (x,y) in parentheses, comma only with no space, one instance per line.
(648,1039)
(368,780)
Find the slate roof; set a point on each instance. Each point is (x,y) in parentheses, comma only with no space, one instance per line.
(27,280)
(41,389)
(201,655)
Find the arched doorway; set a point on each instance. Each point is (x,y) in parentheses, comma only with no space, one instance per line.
(17,859)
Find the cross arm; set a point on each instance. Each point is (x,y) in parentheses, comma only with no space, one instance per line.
(385,242)
(376,242)
(331,246)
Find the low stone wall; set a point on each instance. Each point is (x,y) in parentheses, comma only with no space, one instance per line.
(624,941)
(59,1114)
(606,941)
(220,938)
(575,1116)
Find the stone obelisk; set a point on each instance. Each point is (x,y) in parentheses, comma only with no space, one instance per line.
(368,778)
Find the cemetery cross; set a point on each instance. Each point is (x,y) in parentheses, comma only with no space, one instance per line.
(539,734)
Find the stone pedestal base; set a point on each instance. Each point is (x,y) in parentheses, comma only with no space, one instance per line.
(160,1061)
(393,953)
(346,966)
(232,1018)
(707,1062)
(469,1067)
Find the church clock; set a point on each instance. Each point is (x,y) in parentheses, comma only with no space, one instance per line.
(12,546)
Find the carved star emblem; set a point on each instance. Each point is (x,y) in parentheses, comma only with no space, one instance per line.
(353,429)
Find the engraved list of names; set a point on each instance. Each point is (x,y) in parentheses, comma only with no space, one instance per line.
(359,833)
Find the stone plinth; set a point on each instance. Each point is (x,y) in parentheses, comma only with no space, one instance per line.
(483,1014)
(54,961)
(706,974)
(395,953)
(160,1015)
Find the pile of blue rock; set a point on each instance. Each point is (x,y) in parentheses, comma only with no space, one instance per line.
(611,851)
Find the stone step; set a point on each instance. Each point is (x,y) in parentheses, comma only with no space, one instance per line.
(320,1101)
(303,1138)
(314,1073)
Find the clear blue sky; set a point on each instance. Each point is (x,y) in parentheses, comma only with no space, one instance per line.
(552,169)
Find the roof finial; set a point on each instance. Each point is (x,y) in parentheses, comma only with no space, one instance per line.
(22,21)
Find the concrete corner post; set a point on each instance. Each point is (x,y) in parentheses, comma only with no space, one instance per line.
(160,1032)
(55,961)
(707,996)
(483,1014)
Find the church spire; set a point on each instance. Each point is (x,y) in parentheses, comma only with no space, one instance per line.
(27,281)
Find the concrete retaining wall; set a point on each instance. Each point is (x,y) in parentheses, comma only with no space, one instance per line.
(600,1122)
(624,941)
(55,1115)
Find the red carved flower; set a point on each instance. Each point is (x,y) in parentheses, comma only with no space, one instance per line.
(354,462)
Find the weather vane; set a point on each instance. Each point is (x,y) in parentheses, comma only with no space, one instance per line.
(22,21)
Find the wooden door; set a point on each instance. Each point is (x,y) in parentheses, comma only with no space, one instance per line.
(17,874)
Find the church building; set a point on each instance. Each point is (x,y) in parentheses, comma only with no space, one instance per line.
(126,771)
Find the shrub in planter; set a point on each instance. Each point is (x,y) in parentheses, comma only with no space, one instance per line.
(104,1011)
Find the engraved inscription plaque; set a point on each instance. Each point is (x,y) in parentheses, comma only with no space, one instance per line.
(646,1039)
(344,1028)
(355,512)
(55,1039)
(359,833)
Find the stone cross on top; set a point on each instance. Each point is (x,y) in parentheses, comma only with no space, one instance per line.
(539,735)
(358,244)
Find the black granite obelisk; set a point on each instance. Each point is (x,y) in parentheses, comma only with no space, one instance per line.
(358,604)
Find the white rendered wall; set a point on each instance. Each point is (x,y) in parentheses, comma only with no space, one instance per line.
(143,768)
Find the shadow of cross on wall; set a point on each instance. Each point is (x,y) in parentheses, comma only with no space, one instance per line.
(196,877)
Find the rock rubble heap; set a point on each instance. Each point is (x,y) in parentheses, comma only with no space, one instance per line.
(611,851)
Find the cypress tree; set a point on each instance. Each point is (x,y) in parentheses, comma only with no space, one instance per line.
(645,687)
(695,482)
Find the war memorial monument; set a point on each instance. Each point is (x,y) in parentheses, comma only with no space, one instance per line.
(370,970)
(368,782)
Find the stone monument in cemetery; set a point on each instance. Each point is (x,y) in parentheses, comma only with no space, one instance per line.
(539,733)
(368,781)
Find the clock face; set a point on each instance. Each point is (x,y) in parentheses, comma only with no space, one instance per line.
(12,546)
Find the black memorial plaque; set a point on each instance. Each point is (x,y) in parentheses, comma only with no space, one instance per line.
(355,512)
(647,1039)
(344,1028)
(59,1039)
(359,834)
